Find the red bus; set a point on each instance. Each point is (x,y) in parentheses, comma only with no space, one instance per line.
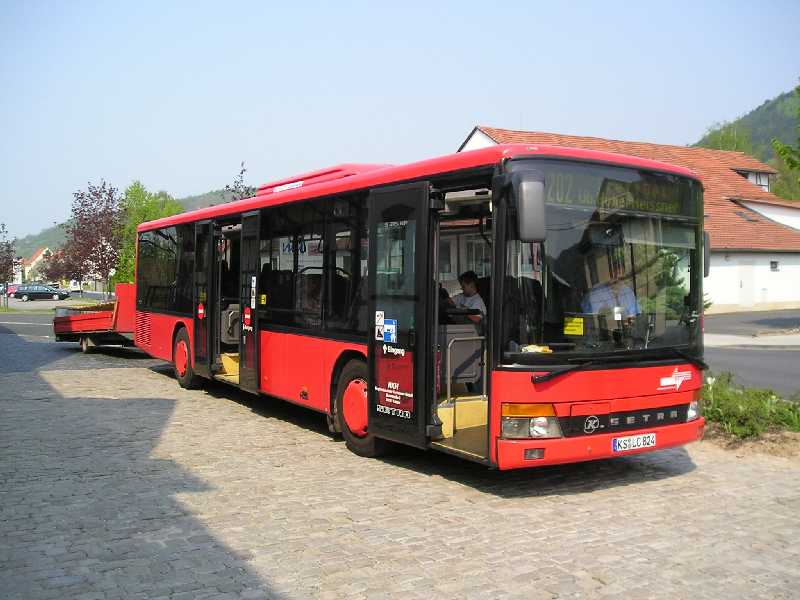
(515,305)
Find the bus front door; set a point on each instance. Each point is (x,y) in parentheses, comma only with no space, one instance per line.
(248,281)
(203,298)
(400,297)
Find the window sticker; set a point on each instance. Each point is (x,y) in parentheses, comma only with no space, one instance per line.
(573,325)
(390,331)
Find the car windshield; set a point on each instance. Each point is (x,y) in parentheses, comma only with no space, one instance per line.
(619,273)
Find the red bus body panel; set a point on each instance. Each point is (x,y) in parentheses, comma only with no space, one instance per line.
(155,332)
(511,453)
(592,392)
(298,368)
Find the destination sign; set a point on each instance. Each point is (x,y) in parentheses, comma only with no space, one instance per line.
(587,189)
(612,188)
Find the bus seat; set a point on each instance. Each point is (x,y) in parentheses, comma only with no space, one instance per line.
(229,324)
(465,357)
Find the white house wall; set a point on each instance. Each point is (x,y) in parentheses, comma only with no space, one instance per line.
(744,281)
(781,214)
(478,140)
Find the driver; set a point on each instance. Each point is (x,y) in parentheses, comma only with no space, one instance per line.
(469,298)
(612,295)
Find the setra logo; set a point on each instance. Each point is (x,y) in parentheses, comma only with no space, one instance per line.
(674,381)
(591,424)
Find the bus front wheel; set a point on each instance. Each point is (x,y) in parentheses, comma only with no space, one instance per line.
(352,412)
(182,361)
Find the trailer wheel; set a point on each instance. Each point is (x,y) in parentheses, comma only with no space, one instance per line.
(86,345)
(182,361)
(352,411)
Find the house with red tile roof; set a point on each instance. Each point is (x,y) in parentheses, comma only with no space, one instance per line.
(755,236)
(35,260)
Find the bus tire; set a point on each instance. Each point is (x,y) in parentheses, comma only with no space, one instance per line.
(182,361)
(352,411)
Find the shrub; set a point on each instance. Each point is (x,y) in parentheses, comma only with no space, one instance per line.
(747,412)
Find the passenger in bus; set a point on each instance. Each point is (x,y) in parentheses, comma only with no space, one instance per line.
(311,300)
(469,296)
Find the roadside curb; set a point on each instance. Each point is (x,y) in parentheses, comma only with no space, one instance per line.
(752,347)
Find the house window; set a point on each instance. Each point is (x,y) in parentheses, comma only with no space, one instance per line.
(760,179)
(773,265)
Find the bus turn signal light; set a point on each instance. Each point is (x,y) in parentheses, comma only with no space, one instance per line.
(528,410)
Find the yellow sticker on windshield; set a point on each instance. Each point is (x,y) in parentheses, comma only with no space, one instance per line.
(573,325)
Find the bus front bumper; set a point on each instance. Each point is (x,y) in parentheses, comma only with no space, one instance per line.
(511,454)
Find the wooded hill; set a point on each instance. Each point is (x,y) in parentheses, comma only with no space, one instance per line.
(775,118)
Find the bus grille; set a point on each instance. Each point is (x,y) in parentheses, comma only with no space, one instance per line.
(142,332)
(635,419)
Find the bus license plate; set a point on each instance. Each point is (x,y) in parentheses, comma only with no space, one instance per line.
(633,442)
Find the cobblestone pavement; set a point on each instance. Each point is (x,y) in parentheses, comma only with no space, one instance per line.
(115,483)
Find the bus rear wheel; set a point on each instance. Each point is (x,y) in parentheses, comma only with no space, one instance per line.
(182,361)
(352,411)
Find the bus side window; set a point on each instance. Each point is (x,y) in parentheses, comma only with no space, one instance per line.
(346,297)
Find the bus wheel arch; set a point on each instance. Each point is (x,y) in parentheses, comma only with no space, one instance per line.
(332,415)
(182,358)
(351,410)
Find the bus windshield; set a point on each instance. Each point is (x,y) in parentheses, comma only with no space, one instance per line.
(619,273)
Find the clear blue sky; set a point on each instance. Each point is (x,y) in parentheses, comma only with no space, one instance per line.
(177,94)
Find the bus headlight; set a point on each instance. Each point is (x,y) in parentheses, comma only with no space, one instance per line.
(545,427)
(694,410)
(526,421)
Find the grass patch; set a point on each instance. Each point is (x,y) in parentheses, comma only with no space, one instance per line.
(32,311)
(747,412)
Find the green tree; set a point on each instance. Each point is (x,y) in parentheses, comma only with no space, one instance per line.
(728,136)
(138,206)
(787,184)
(7,255)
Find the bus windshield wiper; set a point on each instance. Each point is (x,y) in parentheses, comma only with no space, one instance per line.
(556,372)
(697,362)
(579,367)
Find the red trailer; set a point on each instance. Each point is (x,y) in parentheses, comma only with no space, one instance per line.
(103,324)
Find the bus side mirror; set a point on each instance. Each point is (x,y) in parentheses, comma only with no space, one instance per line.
(706,254)
(529,191)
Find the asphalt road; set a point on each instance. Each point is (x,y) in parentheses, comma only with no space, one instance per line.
(762,367)
(753,323)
